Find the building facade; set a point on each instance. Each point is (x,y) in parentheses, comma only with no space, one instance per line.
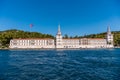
(59,42)
(32,43)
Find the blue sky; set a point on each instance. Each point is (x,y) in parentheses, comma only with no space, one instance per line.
(76,17)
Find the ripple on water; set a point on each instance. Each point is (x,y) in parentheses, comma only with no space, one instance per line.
(60,65)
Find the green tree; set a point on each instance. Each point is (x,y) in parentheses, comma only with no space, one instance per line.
(66,36)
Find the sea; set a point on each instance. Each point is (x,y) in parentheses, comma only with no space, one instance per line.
(59,64)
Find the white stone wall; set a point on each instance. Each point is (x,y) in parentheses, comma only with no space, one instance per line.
(71,43)
(98,43)
(59,41)
(64,43)
(32,43)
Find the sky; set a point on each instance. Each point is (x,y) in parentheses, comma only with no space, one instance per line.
(76,17)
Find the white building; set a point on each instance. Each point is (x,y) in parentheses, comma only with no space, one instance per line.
(32,43)
(64,43)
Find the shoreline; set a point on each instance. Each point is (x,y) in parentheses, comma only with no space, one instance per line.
(54,48)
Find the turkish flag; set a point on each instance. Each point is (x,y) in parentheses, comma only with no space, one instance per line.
(31,25)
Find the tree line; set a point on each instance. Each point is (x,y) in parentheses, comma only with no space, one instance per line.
(7,35)
(116,35)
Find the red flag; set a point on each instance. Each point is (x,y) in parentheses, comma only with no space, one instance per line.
(31,25)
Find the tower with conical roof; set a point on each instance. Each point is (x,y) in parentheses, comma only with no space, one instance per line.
(59,43)
(109,36)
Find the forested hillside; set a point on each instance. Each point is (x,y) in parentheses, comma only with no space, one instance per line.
(116,35)
(5,36)
(100,35)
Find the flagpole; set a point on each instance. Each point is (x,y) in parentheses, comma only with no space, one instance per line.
(31,25)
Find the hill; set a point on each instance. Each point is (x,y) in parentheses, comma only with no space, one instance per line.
(100,35)
(116,35)
(7,35)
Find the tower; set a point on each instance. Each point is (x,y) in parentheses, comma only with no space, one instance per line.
(59,38)
(109,37)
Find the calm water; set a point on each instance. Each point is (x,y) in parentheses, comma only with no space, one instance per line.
(103,64)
